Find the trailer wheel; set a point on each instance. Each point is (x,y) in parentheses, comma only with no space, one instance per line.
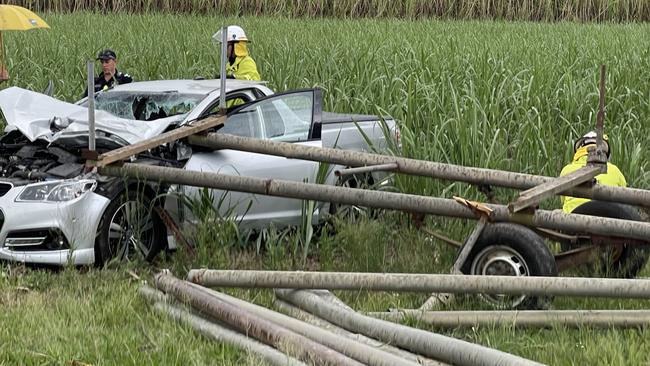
(620,261)
(506,249)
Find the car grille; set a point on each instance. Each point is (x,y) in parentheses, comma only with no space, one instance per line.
(4,188)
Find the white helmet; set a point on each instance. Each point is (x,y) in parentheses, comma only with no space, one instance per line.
(235,34)
(589,138)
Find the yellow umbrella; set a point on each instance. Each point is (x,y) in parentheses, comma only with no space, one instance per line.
(14,17)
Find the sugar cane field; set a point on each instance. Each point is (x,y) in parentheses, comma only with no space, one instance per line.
(502,95)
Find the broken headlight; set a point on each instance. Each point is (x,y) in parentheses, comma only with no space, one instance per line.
(60,191)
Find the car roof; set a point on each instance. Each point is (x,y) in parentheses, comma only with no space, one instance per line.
(186,86)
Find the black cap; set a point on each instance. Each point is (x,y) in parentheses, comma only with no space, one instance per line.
(106,55)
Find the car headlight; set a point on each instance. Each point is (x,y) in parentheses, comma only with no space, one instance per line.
(60,191)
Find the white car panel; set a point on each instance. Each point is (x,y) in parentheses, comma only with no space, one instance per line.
(78,220)
(263,209)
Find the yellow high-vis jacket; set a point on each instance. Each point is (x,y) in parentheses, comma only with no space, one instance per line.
(613,177)
(244,67)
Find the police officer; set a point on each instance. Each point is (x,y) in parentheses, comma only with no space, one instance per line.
(240,64)
(109,76)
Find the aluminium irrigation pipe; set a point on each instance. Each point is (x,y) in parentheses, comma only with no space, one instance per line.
(297,313)
(254,325)
(499,178)
(525,318)
(443,348)
(446,283)
(556,220)
(216,332)
(357,350)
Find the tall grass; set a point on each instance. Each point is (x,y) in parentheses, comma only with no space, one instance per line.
(511,96)
(536,10)
(490,94)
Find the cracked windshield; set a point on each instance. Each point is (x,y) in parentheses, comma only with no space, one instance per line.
(146,107)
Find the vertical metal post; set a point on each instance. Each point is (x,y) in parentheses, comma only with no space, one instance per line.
(600,118)
(3,56)
(224,59)
(91,105)
(598,155)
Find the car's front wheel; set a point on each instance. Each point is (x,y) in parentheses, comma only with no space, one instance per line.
(129,229)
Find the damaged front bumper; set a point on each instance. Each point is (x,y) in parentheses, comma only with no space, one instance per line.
(56,233)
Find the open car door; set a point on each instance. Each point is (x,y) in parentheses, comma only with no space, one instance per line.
(288,117)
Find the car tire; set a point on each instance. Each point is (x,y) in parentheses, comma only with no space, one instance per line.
(625,261)
(352,213)
(511,249)
(129,222)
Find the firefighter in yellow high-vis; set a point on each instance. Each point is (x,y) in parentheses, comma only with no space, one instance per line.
(613,177)
(240,64)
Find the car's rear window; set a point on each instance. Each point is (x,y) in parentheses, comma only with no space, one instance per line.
(146,106)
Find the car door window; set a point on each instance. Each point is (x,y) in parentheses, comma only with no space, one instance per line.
(244,123)
(288,117)
(232,101)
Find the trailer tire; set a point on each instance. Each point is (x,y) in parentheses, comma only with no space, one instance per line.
(631,258)
(515,250)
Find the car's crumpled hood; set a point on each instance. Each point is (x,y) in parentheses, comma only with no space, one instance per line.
(32,113)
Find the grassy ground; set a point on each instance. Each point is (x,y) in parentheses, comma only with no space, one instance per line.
(500,95)
(96,317)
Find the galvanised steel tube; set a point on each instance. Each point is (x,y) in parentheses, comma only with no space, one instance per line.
(253,325)
(446,349)
(217,332)
(297,313)
(411,282)
(524,319)
(359,351)
(499,178)
(556,220)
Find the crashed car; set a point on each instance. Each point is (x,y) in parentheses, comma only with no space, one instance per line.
(54,210)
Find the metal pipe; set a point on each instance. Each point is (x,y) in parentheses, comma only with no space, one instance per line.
(600,154)
(467,247)
(465,284)
(253,325)
(498,178)
(367,169)
(91,105)
(298,313)
(526,318)
(222,75)
(215,331)
(359,351)
(439,347)
(556,220)
(454,243)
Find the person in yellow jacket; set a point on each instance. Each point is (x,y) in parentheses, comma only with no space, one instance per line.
(613,177)
(240,64)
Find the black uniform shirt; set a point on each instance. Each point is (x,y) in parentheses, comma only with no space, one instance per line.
(121,78)
(102,84)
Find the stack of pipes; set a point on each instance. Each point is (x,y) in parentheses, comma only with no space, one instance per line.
(344,338)
(321,329)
